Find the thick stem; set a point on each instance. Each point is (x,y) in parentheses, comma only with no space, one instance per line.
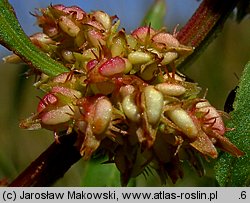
(204,25)
(51,165)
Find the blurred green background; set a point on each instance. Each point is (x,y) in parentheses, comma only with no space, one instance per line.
(215,69)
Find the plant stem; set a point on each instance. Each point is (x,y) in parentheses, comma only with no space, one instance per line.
(204,25)
(51,165)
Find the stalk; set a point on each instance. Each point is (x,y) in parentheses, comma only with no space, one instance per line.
(204,26)
(13,37)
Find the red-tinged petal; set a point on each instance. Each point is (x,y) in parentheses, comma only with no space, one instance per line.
(96,25)
(95,37)
(204,145)
(48,99)
(57,116)
(59,7)
(76,11)
(64,77)
(223,143)
(94,76)
(41,38)
(211,117)
(112,67)
(166,39)
(91,64)
(90,144)
(143,34)
(67,92)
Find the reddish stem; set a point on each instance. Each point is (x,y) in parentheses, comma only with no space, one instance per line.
(51,165)
(204,25)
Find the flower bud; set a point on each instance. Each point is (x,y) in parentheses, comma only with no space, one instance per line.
(131,41)
(105,88)
(42,41)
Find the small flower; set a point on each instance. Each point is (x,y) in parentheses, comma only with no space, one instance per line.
(120,95)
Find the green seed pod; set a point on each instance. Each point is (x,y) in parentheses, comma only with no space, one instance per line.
(139,57)
(149,72)
(103,18)
(68,56)
(169,89)
(131,41)
(169,57)
(118,46)
(126,90)
(181,118)
(128,66)
(90,54)
(130,109)
(102,116)
(68,26)
(153,104)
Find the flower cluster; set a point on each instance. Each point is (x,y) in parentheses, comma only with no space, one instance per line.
(123,95)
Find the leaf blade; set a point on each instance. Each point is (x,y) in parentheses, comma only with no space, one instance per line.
(97,174)
(13,37)
(155,15)
(231,171)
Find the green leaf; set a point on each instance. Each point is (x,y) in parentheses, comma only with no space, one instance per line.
(13,37)
(232,171)
(97,174)
(155,15)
